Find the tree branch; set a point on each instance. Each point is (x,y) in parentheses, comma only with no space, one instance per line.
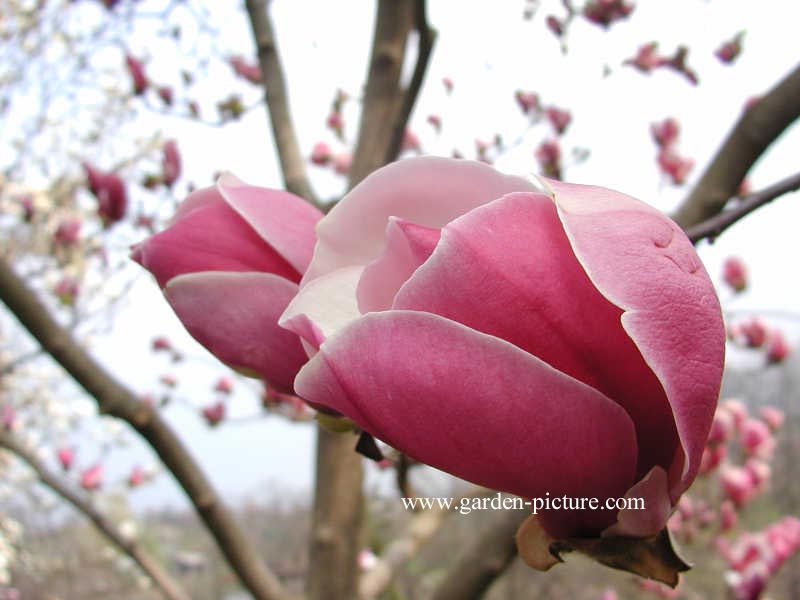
(426,39)
(293,166)
(489,556)
(756,129)
(712,227)
(160,578)
(383,95)
(116,400)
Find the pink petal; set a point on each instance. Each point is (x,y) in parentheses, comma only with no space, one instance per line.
(653,492)
(643,263)
(285,221)
(428,191)
(323,306)
(477,407)
(197,199)
(407,247)
(235,316)
(211,237)
(507,269)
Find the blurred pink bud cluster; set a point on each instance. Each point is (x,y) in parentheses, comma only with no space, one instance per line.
(755,557)
(66,290)
(647,59)
(65,456)
(548,155)
(673,165)
(136,72)
(691,516)
(754,333)
(68,231)
(214,413)
(170,163)
(91,479)
(730,50)
(606,12)
(737,434)
(288,405)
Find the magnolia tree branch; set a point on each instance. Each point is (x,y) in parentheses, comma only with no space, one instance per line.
(426,36)
(485,560)
(712,227)
(160,578)
(755,130)
(293,166)
(118,401)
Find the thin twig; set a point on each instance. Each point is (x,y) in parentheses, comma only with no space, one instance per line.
(116,400)
(160,578)
(712,227)
(426,39)
(293,166)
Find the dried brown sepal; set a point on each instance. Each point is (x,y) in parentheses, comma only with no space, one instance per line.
(653,558)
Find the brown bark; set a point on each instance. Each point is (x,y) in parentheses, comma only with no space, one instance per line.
(116,400)
(755,130)
(160,578)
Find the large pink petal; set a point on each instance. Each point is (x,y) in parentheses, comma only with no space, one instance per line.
(407,246)
(235,316)
(211,237)
(507,269)
(285,221)
(428,191)
(642,262)
(197,199)
(648,518)
(478,407)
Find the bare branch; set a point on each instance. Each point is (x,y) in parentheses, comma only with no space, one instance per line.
(160,578)
(426,39)
(383,95)
(757,128)
(489,556)
(293,165)
(116,400)
(712,227)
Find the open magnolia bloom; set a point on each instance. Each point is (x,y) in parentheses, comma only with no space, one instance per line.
(565,342)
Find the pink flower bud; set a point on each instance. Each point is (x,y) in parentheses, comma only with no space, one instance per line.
(606,12)
(666,132)
(646,58)
(558,118)
(92,478)
(729,51)
(436,122)
(137,477)
(335,122)
(753,332)
(67,289)
(548,154)
(759,472)
(160,343)
(772,416)
(68,232)
(674,166)
(66,457)
(342,163)
(112,199)
(246,70)
(170,163)
(554,25)
(777,348)
(321,154)
(168,380)
(214,413)
(712,458)
(727,515)
(528,101)
(737,409)
(734,273)
(410,142)
(224,385)
(448,84)
(136,72)
(753,434)
(721,427)
(166,94)
(737,484)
